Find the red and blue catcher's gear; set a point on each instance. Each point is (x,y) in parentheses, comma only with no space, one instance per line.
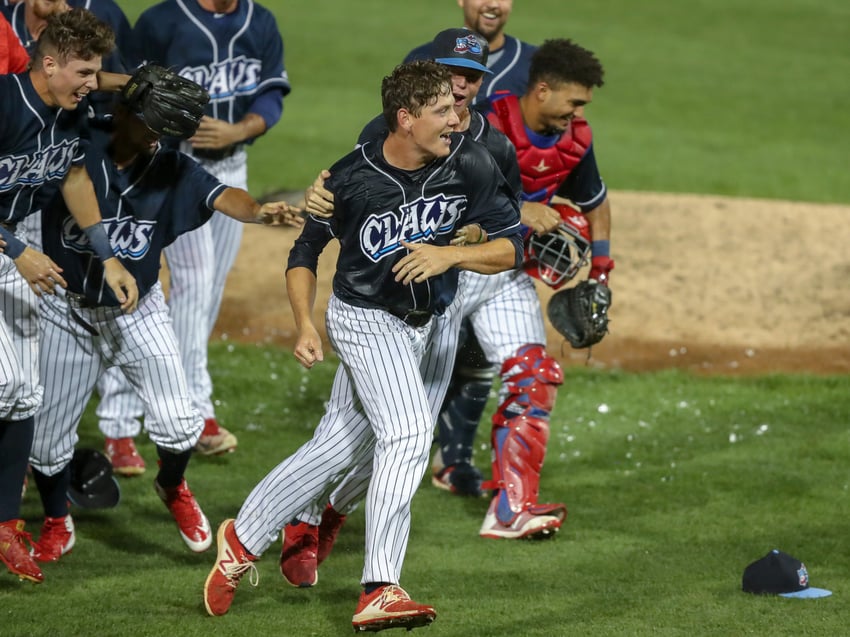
(556,257)
(543,170)
(520,433)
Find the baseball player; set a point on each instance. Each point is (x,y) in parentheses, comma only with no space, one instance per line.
(148,195)
(504,309)
(305,544)
(233,49)
(398,203)
(41,148)
(13,56)
(509,57)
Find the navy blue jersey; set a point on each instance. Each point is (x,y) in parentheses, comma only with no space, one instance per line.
(377,205)
(509,64)
(235,56)
(38,145)
(144,208)
(480,130)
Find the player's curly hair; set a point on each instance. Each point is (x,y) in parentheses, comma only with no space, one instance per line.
(77,33)
(563,61)
(412,86)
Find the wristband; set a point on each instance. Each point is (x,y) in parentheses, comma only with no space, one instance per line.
(99,241)
(601,248)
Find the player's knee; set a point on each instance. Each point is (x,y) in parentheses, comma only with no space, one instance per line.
(530,379)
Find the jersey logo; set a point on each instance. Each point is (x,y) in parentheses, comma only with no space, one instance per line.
(542,167)
(48,164)
(230,78)
(417,221)
(130,238)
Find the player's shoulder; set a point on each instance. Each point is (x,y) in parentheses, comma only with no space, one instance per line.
(160,11)
(525,49)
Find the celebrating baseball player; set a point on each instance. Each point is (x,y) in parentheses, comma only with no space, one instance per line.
(41,148)
(149,195)
(505,310)
(509,57)
(233,49)
(398,202)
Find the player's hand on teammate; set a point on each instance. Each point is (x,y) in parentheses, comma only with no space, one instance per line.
(122,284)
(319,200)
(422,262)
(308,347)
(471,234)
(39,271)
(539,217)
(213,134)
(2,245)
(280,213)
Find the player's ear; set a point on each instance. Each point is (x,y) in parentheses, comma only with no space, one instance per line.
(405,119)
(49,64)
(542,91)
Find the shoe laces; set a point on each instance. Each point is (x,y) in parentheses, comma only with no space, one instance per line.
(234,572)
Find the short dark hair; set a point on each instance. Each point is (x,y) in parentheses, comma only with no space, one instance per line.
(412,86)
(562,62)
(77,33)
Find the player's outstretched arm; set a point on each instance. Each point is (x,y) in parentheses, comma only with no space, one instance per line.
(301,288)
(425,260)
(78,193)
(237,203)
(111,82)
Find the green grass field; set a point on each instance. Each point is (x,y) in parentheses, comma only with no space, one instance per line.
(672,490)
(674,482)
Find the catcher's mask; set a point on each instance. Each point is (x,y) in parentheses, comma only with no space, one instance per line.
(93,486)
(556,257)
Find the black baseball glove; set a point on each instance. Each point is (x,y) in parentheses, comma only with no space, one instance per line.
(168,103)
(580,313)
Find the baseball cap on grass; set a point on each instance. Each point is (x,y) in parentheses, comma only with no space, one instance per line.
(778,573)
(461,47)
(92,484)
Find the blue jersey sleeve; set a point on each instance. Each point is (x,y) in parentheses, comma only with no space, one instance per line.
(583,186)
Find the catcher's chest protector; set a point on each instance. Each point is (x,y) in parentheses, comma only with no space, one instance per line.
(543,170)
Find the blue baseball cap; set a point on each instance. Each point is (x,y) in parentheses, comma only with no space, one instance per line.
(778,573)
(461,47)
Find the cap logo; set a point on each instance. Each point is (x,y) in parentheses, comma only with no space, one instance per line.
(803,575)
(468,44)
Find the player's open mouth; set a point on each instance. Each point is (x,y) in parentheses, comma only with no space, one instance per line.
(446,137)
(78,96)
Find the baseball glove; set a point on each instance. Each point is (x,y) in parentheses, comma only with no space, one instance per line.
(168,103)
(580,313)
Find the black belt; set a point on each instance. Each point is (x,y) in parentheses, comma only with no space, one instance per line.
(414,318)
(215,154)
(79,301)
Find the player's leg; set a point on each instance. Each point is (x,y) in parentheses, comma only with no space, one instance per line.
(20,396)
(119,414)
(70,365)
(511,329)
(226,236)
(149,357)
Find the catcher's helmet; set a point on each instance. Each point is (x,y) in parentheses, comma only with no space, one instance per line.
(556,257)
(92,484)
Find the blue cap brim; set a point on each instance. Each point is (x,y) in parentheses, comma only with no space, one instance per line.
(808,593)
(467,64)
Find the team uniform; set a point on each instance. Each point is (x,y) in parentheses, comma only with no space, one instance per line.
(238,58)
(144,207)
(38,146)
(509,66)
(378,409)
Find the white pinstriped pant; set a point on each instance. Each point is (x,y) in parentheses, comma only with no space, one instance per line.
(378,413)
(142,344)
(198,262)
(20,391)
(505,313)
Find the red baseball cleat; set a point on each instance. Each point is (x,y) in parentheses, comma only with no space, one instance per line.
(57,538)
(390,607)
(124,456)
(231,563)
(193,524)
(298,563)
(14,554)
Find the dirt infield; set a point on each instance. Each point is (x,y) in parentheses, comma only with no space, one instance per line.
(713,285)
